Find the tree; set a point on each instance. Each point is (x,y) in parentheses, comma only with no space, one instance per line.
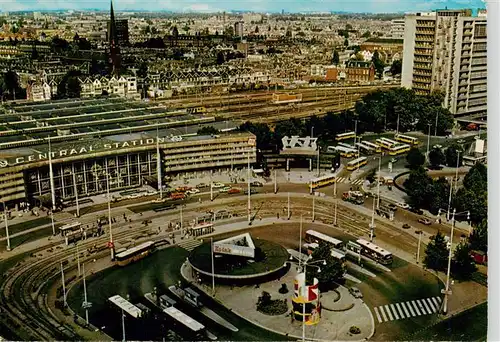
(69,87)
(220,58)
(142,71)
(436,158)
(378,64)
(417,186)
(415,158)
(335,58)
(452,155)
(477,178)
(396,67)
(346,42)
(436,253)
(207,130)
(11,83)
(463,265)
(367,34)
(256,29)
(478,240)
(330,273)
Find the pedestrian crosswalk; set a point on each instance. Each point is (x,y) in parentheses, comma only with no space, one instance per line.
(189,245)
(409,309)
(358,182)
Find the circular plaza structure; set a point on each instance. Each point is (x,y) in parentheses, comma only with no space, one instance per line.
(267,264)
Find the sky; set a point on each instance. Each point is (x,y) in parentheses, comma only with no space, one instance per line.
(366,6)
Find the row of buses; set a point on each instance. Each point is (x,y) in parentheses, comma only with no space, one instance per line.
(400,145)
(361,246)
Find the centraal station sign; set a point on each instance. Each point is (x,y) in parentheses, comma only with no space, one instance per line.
(78,150)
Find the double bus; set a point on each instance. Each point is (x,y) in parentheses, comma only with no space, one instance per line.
(344,151)
(313,236)
(135,253)
(322,181)
(371,251)
(70,228)
(406,139)
(372,145)
(345,136)
(356,163)
(365,148)
(399,149)
(185,324)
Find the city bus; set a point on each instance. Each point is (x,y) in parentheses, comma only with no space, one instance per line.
(406,139)
(69,228)
(356,163)
(345,136)
(384,144)
(346,145)
(343,151)
(370,250)
(399,149)
(185,324)
(322,181)
(366,149)
(135,253)
(372,145)
(313,236)
(202,229)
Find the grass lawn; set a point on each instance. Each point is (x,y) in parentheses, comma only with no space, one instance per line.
(470,325)
(33,236)
(19,227)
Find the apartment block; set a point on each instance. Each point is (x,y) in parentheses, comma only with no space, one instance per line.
(446,51)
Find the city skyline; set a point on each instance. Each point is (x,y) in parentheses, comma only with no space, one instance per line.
(208,6)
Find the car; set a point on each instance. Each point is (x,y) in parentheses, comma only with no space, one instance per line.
(234,191)
(402,205)
(425,221)
(218,185)
(225,189)
(392,206)
(416,211)
(183,188)
(406,226)
(256,184)
(193,191)
(201,186)
(252,191)
(355,292)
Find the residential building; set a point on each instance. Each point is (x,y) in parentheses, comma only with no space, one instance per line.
(360,71)
(238,29)
(123,86)
(397,28)
(38,91)
(446,51)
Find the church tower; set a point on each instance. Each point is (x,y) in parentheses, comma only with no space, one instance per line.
(114,46)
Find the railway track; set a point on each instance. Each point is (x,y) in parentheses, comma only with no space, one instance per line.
(23,292)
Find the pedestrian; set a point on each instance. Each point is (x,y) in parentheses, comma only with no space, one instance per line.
(278,215)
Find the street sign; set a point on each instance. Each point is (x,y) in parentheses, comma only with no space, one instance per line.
(443,291)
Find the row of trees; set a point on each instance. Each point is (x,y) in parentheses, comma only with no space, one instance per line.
(452,157)
(383,109)
(9,87)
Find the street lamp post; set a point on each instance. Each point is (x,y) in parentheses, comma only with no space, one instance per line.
(378,181)
(275,182)
(63,285)
(447,291)
(372,224)
(418,247)
(112,248)
(335,195)
(428,142)
(248,184)
(6,226)
(288,206)
(451,187)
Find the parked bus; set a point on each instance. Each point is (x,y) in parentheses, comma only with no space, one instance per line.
(406,139)
(69,228)
(345,136)
(135,253)
(399,149)
(366,149)
(372,145)
(373,251)
(346,145)
(344,151)
(392,142)
(185,324)
(313,236)
(322,181)
(356,163)
(384,144)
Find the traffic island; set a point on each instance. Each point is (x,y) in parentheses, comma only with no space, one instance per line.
(242,300)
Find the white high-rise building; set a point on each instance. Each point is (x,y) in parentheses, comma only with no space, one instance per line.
(397,28)
(446,51)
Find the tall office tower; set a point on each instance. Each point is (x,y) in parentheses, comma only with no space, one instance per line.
(446,51)
(238,29)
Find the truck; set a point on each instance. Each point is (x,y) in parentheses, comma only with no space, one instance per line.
(355,197)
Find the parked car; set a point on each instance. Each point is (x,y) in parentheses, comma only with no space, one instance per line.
(355,292)
(252,191)
(402,205)
(225,189)
(234,191)
(425,221)
(256,184)
(193,191)
(416,211)
(201,186)
(218,185)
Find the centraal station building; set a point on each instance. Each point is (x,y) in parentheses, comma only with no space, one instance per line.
(90,140)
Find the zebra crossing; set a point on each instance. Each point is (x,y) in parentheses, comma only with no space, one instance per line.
(358,182)
(409,309)
(189,245)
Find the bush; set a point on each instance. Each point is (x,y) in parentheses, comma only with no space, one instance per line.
(354,330)
(268,306)
(283,289)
